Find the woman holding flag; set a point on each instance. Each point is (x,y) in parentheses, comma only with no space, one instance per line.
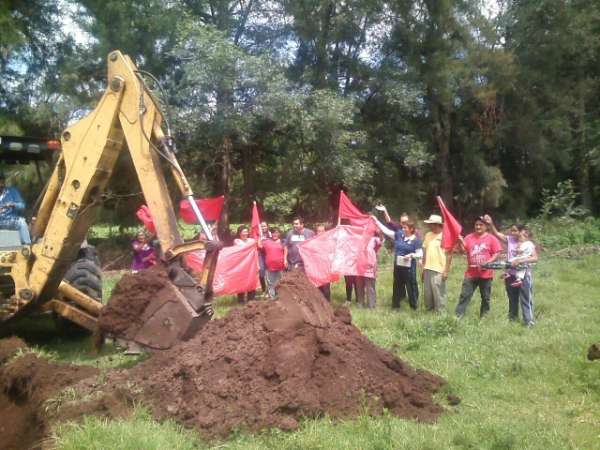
(407,249)
(436,265)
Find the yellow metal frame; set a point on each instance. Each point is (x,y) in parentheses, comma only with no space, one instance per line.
(90,149)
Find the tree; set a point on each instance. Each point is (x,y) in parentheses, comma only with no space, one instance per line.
(554,105)
(30,39)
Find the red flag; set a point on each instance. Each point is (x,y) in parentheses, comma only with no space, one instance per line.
(452,228)
(209,207)
(144,216)
(236,271)
(255,231)
(348,211)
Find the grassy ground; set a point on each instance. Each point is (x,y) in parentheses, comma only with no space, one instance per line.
(520,387)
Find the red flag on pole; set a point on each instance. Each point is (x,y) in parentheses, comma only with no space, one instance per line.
(209,207)
(144,216)
(452,228)
(355,216)
(255,231)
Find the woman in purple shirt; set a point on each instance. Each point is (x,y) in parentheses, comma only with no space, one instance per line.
(143,253)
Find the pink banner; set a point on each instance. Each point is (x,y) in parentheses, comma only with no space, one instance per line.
(344,250)
(237,269)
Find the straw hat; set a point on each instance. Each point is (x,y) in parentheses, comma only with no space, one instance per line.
(434,218)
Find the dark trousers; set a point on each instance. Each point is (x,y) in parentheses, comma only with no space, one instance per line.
(350,284)
(326,291)
(243,297)
(262,271)
(263,283)
(522,294)
(468,287)
(405,285)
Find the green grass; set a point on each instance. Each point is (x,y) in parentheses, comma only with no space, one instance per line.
(521,388)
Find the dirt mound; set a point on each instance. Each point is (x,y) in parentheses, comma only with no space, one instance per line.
(26,384)
(271,363)
(132,295)
(9,348)
(267,364)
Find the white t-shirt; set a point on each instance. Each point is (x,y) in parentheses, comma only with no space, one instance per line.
(524,249)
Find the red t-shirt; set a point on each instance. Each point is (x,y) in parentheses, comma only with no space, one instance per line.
(273,255)
(480,249)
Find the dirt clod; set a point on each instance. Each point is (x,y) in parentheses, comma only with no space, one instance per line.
(594,352)
(453,400)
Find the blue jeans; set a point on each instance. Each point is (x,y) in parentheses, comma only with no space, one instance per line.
(272,279)
(18,224)
(524,294)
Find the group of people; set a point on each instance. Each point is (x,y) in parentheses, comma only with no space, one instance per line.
(413,253)
(482,248)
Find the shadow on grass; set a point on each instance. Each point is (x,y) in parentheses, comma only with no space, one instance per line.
(41,332)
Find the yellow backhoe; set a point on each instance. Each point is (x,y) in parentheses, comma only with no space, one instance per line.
(54,273)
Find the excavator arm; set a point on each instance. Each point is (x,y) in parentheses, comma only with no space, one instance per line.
(127,118)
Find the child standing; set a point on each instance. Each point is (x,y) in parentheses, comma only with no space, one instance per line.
(525,250)
(366,283)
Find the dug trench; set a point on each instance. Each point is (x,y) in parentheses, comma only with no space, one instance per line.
(266,364)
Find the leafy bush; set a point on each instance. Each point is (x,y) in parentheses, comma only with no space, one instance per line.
(566,232)
(561,202)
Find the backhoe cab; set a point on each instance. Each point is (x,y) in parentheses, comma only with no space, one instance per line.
(32,278)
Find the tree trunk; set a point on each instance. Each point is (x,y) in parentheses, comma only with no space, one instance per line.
(441,131)
(582,161)
(226,149)
(249,173)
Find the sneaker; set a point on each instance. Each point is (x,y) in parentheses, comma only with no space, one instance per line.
(517,283)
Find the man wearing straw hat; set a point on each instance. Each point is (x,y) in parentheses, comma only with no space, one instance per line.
(436,265)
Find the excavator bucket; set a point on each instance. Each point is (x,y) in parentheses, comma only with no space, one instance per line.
(162,306)
(168,322)
(184,310)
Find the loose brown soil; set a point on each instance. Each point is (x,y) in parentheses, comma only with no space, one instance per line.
(267,364)
(9,348)
(26,383)
(271,363)
(131,296)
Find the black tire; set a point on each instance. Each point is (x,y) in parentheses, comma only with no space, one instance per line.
(84,274)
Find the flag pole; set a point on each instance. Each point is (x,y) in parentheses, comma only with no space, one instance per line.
(260,233)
